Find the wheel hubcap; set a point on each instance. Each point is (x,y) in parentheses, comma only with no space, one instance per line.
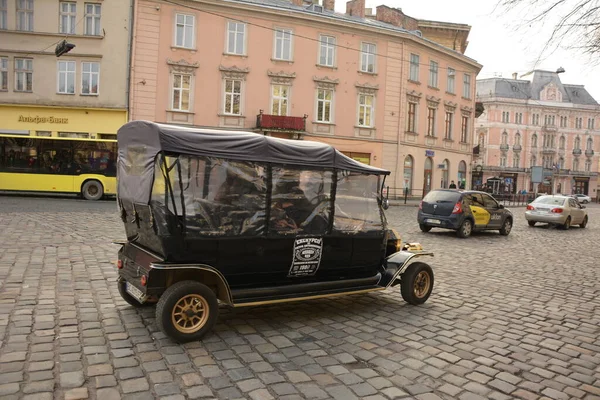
(422,284)
(507,226)
(467,229)
(190,313)
(93,190)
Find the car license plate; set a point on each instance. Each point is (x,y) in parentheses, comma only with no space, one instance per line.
(433,221)
(135,292)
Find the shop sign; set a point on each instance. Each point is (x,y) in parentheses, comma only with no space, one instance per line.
(42,120)
(429,153)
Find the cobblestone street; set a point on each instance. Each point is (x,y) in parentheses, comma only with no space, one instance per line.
(509,317)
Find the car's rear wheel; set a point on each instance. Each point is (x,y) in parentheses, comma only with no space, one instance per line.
(506,227)
(187,311)
(584,223)
(416,283)
(567,224)
(425,228)
(465,230)
(531,223)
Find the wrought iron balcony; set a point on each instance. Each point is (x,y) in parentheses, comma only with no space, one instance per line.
(548,150)
(492,168)
(589,153)
(576,152)
(549,128)
(504,147)
(517,148)
(280,122)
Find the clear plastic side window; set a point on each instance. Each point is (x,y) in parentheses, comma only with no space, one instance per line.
(301,202)
(357,207)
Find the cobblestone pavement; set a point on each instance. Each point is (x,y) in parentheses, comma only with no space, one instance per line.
(510,317)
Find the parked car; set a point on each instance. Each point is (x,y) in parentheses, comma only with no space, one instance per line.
(582,198)
(248,220)
(464,212)
(561,211)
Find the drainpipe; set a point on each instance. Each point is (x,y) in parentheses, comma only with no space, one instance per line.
(130,58)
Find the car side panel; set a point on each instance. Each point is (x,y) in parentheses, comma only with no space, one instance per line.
(480,215)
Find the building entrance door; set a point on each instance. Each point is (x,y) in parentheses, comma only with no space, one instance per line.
(427,177)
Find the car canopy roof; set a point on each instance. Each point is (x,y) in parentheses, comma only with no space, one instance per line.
(140,141)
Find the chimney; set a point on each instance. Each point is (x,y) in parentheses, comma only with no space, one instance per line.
(356,8)
(329,4)
(514,75)
(395,16)
(298,2)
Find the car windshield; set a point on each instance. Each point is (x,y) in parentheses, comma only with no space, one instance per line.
(555,201)
(442,196)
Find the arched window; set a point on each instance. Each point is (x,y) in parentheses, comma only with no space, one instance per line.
(534,140)
(516,160)
(576,164)
(517,139)
(462,175)
(408,172)
(428,175)
(588,165)
(561,163)
(561,143)
(446,174)
(590,144)
(577,144)
(533,161)
(504,137)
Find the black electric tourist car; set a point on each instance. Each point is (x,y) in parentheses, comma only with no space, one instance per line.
(463,211)
(245,219)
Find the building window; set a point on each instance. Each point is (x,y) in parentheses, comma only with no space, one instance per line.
(577,144)
(324,101)
(445,173)
(184,31)
(92,19)
(236,38)
(590,123)
(25,15)
(467,86)
(504,138)
(588,165)
(3,73)
(518,118)
(549,120)
(534,140)
(561,163)
(367,57)
(533,161)
(535,119)
(433,74)
(564,121)
(517,139)
(590,144)
(464,130)
(516,160)
(503,161)
(561,143)
(448,125)
(431,121)
(233,97)
(283,44)
(462,174)
(3,14)
(67,17)
(327,51)
(90,78)
(66,77)
(181,92)
(408,172)
(280,95)
(575,164)
(365,110)
(578,122)
(414,67)
(23,74)
(506,116)
(451,76)
(412,117)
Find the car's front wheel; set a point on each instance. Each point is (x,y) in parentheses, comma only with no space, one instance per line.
(424,228)
(465,229)
(506,227)
(416,283)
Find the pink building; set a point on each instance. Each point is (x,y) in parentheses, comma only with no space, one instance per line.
(541,122)
(373,86)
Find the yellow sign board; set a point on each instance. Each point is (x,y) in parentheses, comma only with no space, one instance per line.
(42,120)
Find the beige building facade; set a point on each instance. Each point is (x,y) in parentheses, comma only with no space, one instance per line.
(83,93)
(538,123)
(302,71)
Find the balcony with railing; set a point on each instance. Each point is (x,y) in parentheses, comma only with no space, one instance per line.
(548,150)
(504,147)
(493,168)
(280,122)
(517,148)
(577,152)
(549,128)
(589,153)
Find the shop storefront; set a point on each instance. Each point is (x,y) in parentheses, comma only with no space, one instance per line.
(84,123)
(581,185)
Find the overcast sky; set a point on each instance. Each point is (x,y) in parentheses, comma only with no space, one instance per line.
(495,42)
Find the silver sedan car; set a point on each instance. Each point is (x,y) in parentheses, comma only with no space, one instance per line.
(562,211)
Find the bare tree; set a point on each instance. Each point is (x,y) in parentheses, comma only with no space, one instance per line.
(575,23)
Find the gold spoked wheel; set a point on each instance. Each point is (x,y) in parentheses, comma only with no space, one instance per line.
(190,313)
(422,284)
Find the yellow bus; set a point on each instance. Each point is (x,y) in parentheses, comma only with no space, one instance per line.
(58,164)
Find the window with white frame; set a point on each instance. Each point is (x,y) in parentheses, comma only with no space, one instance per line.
(283,44)
(90,78)
(180,92)
(25,15)
(518,118)
(233,97)
(280,97)
(576,164)
(412,117)
(367,57)
(184,31)
(3,14)
(68,13)
(23,74)
(3,73)
(516,160)
(564,121)
(561,143)
(433,74)
(92,19)
(451,79)
(414,67)
(577,143)
(534,140)
(236,38)
(431,111)
(590,123)
(588,165)
(327,50)
(66,77)
(590,144)
(578,122)
(467,86)
(324,104)
(365,109)
(503,161)
(448,125)
(505,116)
(464,131)
(535,119)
